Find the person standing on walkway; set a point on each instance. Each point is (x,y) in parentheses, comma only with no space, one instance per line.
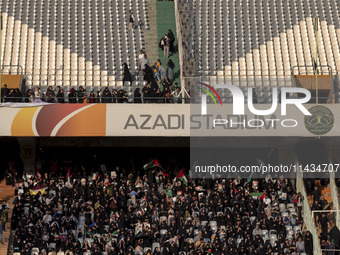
(171,36)
(131,20)
(162,72)
(140,57)
(162,43)
(170,70)
(126,74)
(143,62)
(167,44)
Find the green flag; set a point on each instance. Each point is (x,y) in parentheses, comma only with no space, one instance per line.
(256,194)
(109,190)
(152,164)
(182,178)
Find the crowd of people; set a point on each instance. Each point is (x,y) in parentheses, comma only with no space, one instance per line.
(159,86)
(148,211)
(10,94)
(150,93)
(329,233)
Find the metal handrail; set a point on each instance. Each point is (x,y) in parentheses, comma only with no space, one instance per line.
(2,67)
(255,71)
(334,195)
(100,99)
(308,218)
(319,69)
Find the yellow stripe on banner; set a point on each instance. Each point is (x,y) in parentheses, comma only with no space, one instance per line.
(34,192)
(22,123)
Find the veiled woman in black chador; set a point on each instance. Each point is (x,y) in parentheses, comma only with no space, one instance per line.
(126,74)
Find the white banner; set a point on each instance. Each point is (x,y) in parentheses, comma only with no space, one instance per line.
(168,120)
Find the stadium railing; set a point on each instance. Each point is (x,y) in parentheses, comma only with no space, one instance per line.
(307,213)
(180,43)
(109,100)
(335,198)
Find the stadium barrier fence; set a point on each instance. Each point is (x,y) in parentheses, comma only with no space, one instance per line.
(335,198)
(307,213)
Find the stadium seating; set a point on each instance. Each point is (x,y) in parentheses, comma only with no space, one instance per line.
(212,220)
(258,43)
(72,43)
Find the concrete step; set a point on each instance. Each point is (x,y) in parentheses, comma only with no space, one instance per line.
(151,41)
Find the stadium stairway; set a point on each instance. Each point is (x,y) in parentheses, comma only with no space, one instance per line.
(326,192)
(151,40)
(189,63)
(165,21)
(6,194)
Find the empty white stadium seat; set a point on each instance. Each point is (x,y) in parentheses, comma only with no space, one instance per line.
(63,35)
(271,37)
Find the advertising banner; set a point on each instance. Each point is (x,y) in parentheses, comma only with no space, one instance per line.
(168,120)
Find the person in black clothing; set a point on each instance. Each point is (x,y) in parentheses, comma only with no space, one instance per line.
(29,96)
(72,97)
(81,95)
(14,95)
(137,96)
(125,97)
(126,74)
(4,93)
(316,193)
(92,98)
(171,36)
(316,207)
(147,93)
(308,243)
(9,178)
(98,97)
(154,88)
(334,234)
(106,97)
(323,221)
(10,96)
(159,95)
(148,74)
(120,96)
(117,222)
(50,95)
(114,95)
(167,83)
(170,70)
(167,94)
(60,95)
